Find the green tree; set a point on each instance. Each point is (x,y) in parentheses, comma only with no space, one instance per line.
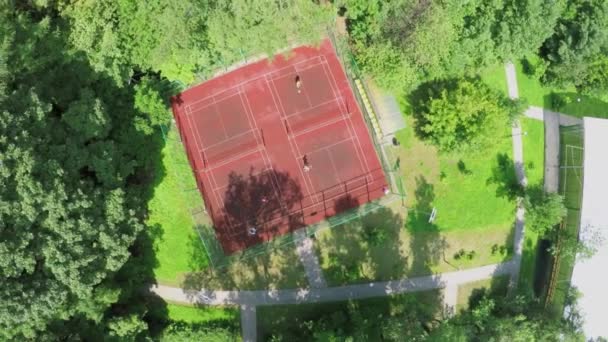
(403,43)
(464,114)
(178,332)
(126,328)
(239,28)
(151,98)
(576,50)
(119,36)
(521,27)
(511,319)
(71,171)
(544,211)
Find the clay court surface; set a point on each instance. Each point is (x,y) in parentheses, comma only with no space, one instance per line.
(249,133)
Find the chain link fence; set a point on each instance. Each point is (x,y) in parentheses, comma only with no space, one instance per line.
(201,220)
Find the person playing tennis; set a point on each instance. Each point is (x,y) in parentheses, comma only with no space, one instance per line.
(298,84)
(306,167)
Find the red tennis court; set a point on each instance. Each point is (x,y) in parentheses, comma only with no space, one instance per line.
(278,145)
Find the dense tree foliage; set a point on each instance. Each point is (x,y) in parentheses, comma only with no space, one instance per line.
(462,114)
(183,38)
(70,195)
(544,210)
(405,42)
(400,318)
(507,319)
(84,83)
(576,52)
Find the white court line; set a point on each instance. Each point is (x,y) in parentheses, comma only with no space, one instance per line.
(313,107)
(275,181)
(330,146)
(265,151)
(222,205)
(234,158)
(252,79)
(334,166)
(198,134)
(319,126)
(251,117)
(294,153)
(228,139)
(197,142)
(334,85)
(280,74)
(220,118)
(261,171)
(218,199)
(351,128)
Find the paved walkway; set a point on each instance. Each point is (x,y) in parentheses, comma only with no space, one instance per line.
(330,294)
(450,298)
(518,161)
(308,257)
(540,113)
(553,120)
(248,323)
(551,153)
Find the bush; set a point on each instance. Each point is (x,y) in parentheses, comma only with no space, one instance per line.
(543,211)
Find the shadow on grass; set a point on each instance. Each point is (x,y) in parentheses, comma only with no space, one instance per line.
(497,288)
(427,246)
(364,248)
(270,268)
(576,104)
(504,178)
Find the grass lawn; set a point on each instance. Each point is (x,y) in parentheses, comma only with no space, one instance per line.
(169,213)
(534,167)
(202,314)
(475,213)
(467,190)
(496,78)
(534,150)
(349,253)
(544,96)
(473,291)
(289,321)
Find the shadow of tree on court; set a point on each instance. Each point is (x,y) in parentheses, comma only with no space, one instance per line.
(504,178)
(257,207)
(345,203)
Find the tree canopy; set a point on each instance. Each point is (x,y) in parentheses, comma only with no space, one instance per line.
(462,114)
(405,42)
(85,83)
(576,51)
